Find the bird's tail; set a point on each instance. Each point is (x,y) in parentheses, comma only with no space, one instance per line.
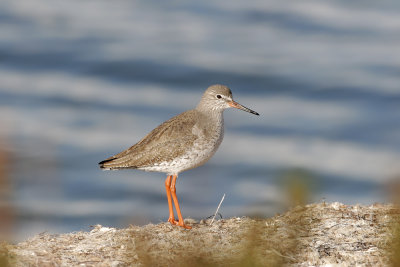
(114,163)
(105,164)
(109,164)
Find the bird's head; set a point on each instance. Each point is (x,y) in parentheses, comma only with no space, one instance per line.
(219,97)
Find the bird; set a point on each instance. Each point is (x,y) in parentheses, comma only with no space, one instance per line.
(183,142)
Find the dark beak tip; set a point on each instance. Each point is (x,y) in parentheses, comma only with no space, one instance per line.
(241,107)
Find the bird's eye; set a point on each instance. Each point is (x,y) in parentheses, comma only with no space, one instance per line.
(219,96)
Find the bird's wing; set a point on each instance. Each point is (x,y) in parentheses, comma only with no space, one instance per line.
(166,142)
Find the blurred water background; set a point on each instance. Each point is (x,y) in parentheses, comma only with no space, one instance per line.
(83,80)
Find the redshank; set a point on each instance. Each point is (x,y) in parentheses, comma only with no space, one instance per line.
(181,143)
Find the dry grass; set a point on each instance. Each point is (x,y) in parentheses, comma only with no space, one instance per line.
(394,239)
(316,234)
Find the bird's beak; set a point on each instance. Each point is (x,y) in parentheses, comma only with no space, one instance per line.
(234,104)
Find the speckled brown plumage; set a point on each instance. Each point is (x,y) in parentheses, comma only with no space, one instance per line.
(166,142)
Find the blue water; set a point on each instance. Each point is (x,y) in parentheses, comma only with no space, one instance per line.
(81,81)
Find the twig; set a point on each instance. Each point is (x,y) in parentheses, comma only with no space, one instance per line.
(284,256)
(217,209)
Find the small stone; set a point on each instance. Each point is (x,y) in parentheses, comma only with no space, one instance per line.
(336,205)
(106,229)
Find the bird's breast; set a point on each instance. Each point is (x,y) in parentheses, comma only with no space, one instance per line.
(206,143)
(209,135)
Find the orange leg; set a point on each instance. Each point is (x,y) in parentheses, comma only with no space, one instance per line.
(171,218)
(175,198)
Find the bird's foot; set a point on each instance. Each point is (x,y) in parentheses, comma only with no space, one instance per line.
(172,221)
(182,224)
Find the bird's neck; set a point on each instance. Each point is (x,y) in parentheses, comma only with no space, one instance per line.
(209,112)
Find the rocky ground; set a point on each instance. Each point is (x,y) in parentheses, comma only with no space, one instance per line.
(312,235)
